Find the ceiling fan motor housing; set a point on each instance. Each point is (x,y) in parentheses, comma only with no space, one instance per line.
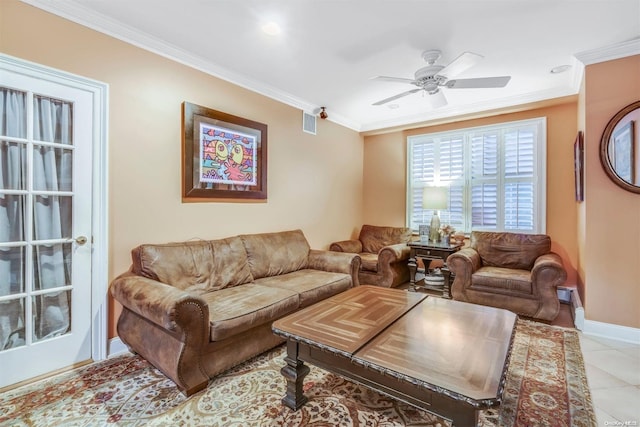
(426,78)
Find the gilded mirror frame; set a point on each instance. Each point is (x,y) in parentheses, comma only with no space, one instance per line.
(605,149)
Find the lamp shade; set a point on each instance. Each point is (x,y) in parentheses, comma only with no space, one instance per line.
(436,198)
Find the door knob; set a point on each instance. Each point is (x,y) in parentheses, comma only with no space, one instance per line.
(81,240)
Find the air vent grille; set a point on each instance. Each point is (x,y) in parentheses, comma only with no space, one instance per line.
(309,123)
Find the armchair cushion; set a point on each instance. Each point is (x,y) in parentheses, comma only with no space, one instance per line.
(510,250)
(506,280)
(374,237)
(369,261)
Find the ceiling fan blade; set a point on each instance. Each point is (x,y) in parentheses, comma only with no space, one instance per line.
(462,63)
(400,95)
(481,82)
(393,79)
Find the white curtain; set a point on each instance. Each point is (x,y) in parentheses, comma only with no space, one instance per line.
(51,171)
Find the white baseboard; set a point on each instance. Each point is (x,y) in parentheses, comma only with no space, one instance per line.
(577,311)
(611,331)
(569,295)
(116,347)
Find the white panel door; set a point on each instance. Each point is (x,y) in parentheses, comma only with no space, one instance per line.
(46,134)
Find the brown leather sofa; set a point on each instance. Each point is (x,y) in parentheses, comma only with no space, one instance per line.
(514,271)
(384,254)
(194,309)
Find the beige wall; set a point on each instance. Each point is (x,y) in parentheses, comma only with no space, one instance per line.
(612,215)
(385,174)
(314,182)
(328,185)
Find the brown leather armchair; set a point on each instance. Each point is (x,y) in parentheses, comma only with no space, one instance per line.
(514,271)
(384,254)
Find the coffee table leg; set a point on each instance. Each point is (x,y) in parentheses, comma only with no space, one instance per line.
(294,372)
(466,418)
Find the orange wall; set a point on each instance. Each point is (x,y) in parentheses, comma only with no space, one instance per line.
(611,214)
(329,184)
(385,174)
(314,182)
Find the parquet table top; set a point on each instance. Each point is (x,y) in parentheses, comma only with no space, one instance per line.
(457,346)
(349,320)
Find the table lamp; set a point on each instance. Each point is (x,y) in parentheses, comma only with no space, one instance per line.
(435,198)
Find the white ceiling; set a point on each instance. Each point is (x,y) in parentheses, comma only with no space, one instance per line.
(328,50)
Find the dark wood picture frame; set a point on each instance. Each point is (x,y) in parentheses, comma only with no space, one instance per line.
(224,157)
(578,158)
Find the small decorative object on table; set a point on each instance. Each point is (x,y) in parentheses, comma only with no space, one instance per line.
(446,231)
(423,230)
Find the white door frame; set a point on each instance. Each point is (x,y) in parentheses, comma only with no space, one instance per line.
(99,189)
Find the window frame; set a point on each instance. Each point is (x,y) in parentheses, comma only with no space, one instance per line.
(538,179)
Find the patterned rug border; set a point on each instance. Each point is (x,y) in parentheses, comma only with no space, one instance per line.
(126,391)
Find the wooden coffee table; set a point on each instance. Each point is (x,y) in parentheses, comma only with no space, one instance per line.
(446,357)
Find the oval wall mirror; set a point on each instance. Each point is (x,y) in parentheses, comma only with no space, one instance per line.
(620,148)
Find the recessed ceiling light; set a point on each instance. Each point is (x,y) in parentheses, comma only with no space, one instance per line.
(271,28)
(560,69)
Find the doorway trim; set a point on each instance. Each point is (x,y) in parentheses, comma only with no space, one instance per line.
(99,188)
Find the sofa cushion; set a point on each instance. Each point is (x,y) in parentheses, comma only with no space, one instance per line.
(368,261)
(375,237)
(510,250)
(271,254)
(502,280)
(312,285)
(238,309)
(195,266)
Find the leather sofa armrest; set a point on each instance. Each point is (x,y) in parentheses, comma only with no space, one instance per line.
(548,270)
(164,305)
(463,264)
(463,261)
(336,262)
(350,246)
(394,253)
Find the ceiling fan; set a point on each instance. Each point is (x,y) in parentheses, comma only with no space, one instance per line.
(432,77)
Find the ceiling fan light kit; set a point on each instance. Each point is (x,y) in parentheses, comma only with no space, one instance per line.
(432,77)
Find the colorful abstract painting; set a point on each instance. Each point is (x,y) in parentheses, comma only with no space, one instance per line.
(227,156)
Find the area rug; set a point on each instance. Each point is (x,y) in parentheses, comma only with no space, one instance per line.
(546,386)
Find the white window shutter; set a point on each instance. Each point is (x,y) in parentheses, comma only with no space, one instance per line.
(495,176)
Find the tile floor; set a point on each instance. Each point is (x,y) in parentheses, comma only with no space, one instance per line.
(613,373)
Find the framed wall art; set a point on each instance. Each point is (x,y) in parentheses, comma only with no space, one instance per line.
(578,158)
(223,156)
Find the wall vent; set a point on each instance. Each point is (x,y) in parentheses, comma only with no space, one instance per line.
(309,123)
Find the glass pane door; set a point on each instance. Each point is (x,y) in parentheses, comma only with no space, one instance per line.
(43,310)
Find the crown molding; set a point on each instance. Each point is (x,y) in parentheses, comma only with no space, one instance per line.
(87,18)
(609,53)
